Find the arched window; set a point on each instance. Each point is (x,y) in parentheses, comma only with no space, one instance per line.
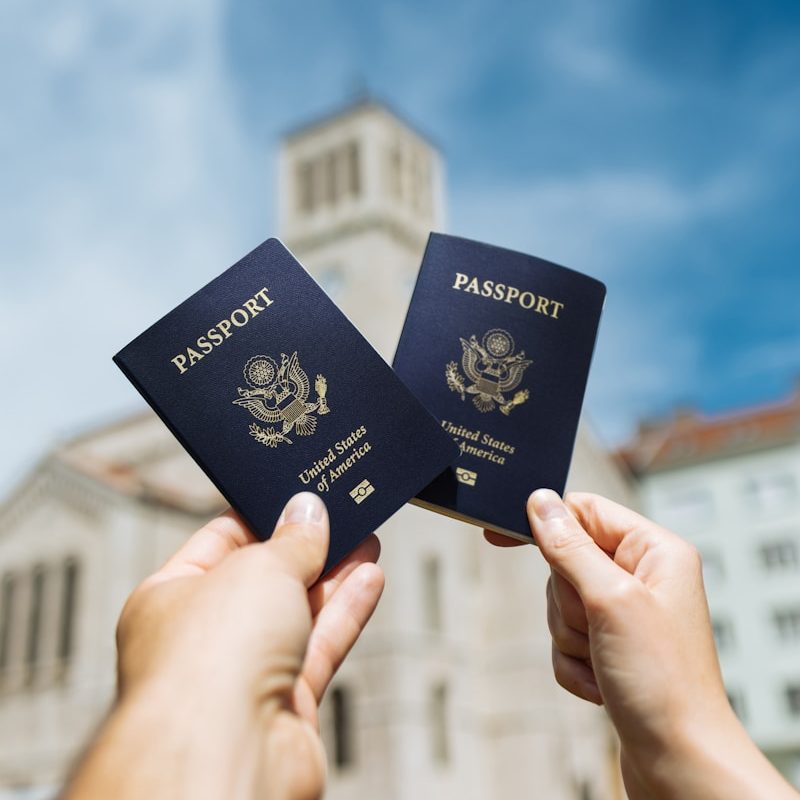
(7,598)
(353,169)
(33,645)
(342,711)
(437,715)
(432,593)
(69,589)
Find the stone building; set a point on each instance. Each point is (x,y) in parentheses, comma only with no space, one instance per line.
(449,694)
(731,484)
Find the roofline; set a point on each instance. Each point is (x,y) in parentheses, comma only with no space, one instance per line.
(689,461)
(362,102)
(90,430)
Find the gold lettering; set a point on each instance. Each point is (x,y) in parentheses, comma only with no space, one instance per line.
(205,345)
(222,330)
(225,327)
(530,302)
(507,294)
(252,306)
(461,279)
(245,319)
(179,362)
(263,295)
(541,306)
(194,356)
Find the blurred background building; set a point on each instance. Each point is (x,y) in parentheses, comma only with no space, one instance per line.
(450,693)
(731,484)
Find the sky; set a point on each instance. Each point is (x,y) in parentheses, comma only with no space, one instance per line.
(655,146)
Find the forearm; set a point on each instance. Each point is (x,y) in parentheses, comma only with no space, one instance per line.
(157,746)
(719,763)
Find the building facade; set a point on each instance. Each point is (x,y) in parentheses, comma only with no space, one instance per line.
(731,484)
(449,693)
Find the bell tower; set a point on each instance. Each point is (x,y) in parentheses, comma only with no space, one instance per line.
(360,191)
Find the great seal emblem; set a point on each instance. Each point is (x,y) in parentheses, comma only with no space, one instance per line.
(279,395)
(494,369)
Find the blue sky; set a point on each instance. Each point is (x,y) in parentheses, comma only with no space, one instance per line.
(656,146)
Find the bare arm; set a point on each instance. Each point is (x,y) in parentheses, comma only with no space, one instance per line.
(224,655)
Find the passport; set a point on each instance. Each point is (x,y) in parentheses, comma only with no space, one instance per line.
(497,346)
(273,391)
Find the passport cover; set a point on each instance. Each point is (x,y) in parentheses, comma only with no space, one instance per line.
(272,391)
(497,346)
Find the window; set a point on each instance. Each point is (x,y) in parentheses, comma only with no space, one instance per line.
(437,711)
(585,791)
(305,187)
(723,634)
(66,634)
(419,180)
(783,554)
(787,623)
(33,645)
(792,694)
(353,169)
(774,492)
(690,507)
(341,705)
(7,598)
(396,172)
(431,593)
(330,180)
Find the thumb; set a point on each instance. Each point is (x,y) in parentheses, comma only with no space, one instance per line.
(300,540)
(569,549)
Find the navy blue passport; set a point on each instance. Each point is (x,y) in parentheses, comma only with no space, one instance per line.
(272,391)
(497,346)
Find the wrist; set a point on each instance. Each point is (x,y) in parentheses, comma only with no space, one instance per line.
(708,757)
(162,741)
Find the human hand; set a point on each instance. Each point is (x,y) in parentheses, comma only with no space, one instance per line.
(224,656)
(630,625)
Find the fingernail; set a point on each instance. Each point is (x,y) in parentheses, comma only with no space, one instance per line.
(303,507)
(548,505)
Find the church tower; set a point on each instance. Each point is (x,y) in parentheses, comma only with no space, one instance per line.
(360,191)
(448,693)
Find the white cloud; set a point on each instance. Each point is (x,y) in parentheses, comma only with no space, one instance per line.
(598,220)
(123,192)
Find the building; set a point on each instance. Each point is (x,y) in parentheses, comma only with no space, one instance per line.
(731,484)
(450,692)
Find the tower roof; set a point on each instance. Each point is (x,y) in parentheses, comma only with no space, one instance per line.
(364,102)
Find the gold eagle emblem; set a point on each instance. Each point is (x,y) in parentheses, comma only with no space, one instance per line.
(278,395)
(494,370)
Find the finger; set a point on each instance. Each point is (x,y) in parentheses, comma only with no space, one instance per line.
(300,540)
(569,603)
(321,592)
(208,547)
(566,639)
(576,677)
(339,624)
(623,533)
(498,540)
(607,522)
(569,549)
